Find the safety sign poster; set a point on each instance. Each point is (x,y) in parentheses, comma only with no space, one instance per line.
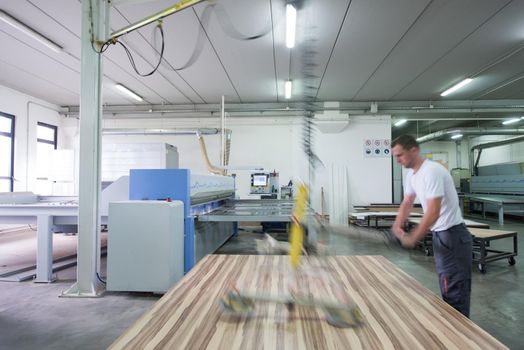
(377,147)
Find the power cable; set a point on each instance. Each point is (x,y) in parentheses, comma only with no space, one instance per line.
(223,19)
(130,56)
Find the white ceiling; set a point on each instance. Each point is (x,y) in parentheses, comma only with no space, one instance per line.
(365,50)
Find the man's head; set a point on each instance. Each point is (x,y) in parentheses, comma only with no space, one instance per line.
(406,151)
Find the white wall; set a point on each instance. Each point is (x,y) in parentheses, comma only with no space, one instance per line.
(275,144)
(28,111)
(450,149)
(370,178)
(255,143)
(502,154)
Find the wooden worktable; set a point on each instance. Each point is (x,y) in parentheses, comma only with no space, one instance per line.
(469,223)
(482,233)
(398,311)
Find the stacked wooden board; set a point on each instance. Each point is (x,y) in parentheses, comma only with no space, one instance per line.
(398,312)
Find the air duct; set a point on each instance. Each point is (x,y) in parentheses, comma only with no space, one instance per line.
(181,131)
(331,120)
(149,132)
(469,132)
(210,167)
(474,163)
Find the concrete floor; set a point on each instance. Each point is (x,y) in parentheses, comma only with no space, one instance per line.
(33,316)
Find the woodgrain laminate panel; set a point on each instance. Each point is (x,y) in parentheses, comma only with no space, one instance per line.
(399,312)
(469,223)
(482,233)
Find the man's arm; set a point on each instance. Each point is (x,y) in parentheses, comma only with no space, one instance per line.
(430,216)
(403,214)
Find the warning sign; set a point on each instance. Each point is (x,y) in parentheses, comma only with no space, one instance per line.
(377,147)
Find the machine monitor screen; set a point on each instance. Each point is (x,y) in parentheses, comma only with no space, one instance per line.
(259,180)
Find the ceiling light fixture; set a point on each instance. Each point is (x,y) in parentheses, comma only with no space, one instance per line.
(291,23)
(128,92)
(13,22)
(287,89)
(401,122)
(511,121)
(457,86)
(456,136)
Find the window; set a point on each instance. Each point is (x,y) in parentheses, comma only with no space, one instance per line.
(7,151)
(46,141)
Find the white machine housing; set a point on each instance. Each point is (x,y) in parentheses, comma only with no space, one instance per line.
(145,250)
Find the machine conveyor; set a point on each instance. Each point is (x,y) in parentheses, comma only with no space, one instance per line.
(262,210)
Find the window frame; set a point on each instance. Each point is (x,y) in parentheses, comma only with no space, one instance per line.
(11,135)
(55,134)
(54,142)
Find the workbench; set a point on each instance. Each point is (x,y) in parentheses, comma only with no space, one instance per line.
(482,239)
(467,222)
(364,218)
(426,243)
(398,311)
(500,201)
(47,216)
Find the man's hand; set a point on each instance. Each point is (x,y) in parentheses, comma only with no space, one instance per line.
(408,241)
(398,231)
(405,239)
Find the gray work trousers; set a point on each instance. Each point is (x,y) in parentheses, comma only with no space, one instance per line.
(453,258)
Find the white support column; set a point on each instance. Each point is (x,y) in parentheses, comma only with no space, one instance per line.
(87,284)
(44,256)
(459,154)
(222,133)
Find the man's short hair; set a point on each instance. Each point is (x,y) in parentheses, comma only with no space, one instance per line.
(406,141)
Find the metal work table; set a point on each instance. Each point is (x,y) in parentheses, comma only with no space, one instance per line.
(366,216)
(263,210)
(426,243)
(397,311)
(499,200)
(483,238)
(467,222)
(47,216)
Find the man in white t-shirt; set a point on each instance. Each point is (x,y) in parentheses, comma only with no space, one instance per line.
(452,242)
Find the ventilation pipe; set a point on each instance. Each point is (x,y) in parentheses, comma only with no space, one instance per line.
(149,132)
(211,168)
(475,162)
(198,132)
(469,132)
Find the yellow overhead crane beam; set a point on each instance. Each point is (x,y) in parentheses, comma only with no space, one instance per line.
(157,16)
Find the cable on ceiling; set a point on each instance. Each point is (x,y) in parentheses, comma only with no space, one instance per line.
(223,19)
(105,45)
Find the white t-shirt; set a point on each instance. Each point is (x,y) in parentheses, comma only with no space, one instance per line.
(433,180)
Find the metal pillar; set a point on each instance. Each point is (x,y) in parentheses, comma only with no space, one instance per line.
(459,155)
(222,133)
(95,16)
(44,258)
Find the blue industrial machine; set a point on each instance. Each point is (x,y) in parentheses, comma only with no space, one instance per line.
(200,194)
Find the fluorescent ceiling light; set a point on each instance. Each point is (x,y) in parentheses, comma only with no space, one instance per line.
(287,89)
(511,121)
(128,92)
(456,87)
(13,22)
(401,122)
(456,136)
(291,23)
